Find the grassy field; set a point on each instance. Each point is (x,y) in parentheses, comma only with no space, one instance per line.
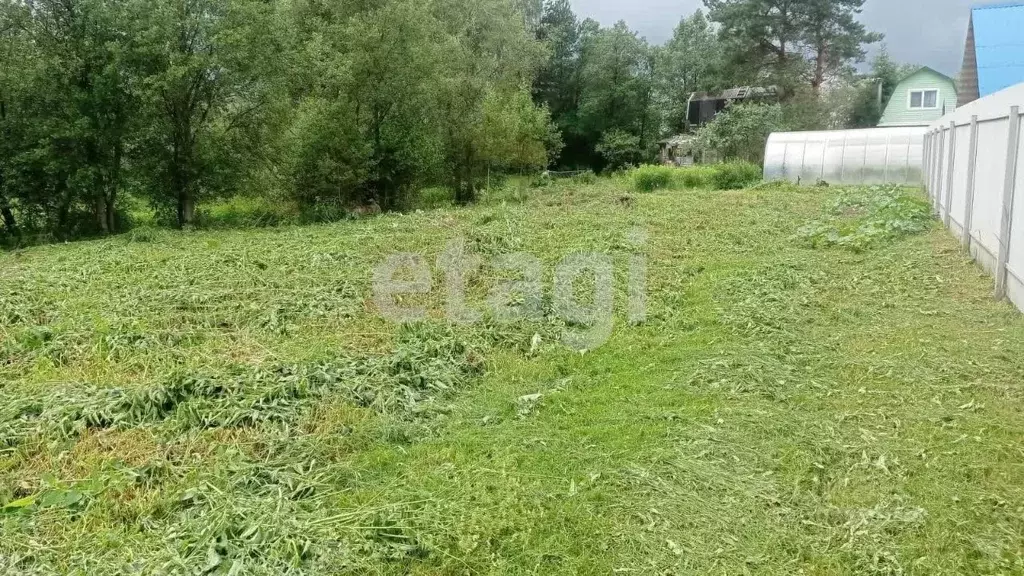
(823,385)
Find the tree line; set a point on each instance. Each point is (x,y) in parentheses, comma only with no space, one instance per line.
(333,104)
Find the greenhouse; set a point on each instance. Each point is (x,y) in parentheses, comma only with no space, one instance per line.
(869,156)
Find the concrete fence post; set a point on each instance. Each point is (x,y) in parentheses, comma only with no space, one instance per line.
(951,165)
(940,158)
(972,168)
(928,163)
(1009,184)
(925,162)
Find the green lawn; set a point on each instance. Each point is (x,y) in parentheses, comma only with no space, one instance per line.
(821,387)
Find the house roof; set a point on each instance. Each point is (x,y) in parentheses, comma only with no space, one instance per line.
(927,69)
(999,44)
(737,93)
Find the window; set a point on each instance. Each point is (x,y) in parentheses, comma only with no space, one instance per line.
(924,99)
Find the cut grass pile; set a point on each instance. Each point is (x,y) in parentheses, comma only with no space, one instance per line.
(823,384)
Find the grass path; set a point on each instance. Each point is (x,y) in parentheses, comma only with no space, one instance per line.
(784,409)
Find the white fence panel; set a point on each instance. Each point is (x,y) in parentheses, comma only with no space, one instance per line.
(958,202)
(942,180)
(988,186)
(973,174)
(1015,263)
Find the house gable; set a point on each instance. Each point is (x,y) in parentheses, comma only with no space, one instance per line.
(967,89)
(899,111)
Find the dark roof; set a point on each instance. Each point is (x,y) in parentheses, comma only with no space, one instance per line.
(737,93)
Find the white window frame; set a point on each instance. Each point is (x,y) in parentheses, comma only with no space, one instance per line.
(910,98)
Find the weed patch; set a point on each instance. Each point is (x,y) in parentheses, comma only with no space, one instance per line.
(735,175)
(865,218)
(650,178)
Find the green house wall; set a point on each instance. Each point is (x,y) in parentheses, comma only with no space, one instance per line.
(898,111)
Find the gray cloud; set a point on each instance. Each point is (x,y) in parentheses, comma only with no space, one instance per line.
(925,32)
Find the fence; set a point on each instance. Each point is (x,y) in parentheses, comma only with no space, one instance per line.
(869,156)
(971,175)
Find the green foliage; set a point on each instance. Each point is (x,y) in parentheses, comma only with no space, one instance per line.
(248,212)
(690,62)
(335,108)
(792,44)
(649,177)
(599,83)
(726,176)
(353,107)
(866,218)
(619,149)
(735,175)
(740,132)
(586,177)
(516,134)
(698,176)
(869,105)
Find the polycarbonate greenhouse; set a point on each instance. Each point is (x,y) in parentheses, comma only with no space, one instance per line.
(869,156)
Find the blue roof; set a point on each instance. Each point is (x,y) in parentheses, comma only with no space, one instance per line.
(999,40)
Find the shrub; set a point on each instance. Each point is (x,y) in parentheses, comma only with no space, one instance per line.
(437,197)
(649,178)
(247,212)
(588,178)
(619,149)
(741,131)
(696,176)
(735,175)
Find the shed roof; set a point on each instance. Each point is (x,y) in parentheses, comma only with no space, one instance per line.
(737,93)
(1000,46)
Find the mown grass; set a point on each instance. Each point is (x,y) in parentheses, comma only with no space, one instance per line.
(231,402)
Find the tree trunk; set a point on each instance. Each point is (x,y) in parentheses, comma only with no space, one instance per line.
(820,61)
(182,182)
(113,185)
(8,215)
(5,206)
(100,211)
(186,208)
(111,216)
(64,211)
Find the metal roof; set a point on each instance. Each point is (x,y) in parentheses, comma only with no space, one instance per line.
(737,93)
(999,43)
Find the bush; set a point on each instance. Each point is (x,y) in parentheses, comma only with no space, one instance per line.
(619,149)
(585,178)
(649,178)
(735,175)
(436,197)
(696,176)
(741,131)
(247,212)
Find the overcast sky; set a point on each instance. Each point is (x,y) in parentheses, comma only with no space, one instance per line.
(925,32)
